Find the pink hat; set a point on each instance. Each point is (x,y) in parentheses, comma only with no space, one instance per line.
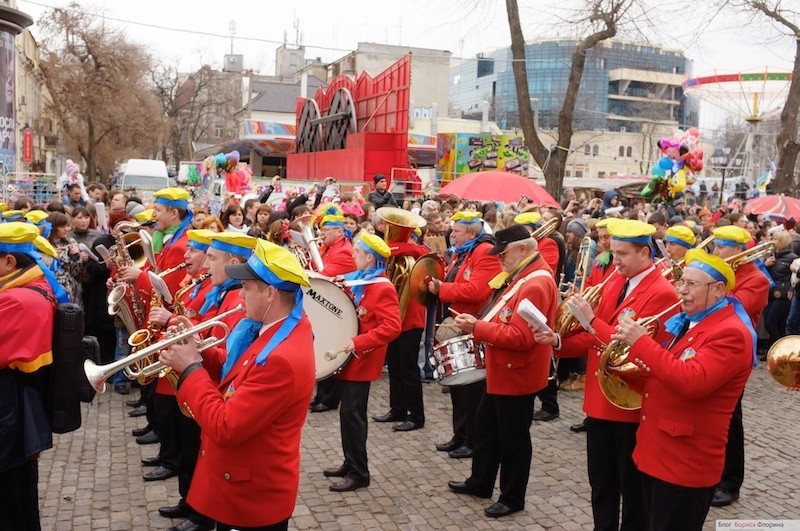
(70,167)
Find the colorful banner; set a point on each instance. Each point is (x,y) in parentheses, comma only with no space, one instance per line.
(462,153)
(8,141)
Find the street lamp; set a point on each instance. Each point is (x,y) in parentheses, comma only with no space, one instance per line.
(722,160)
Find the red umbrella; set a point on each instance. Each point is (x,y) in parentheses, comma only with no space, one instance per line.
(498,186)
(779,206)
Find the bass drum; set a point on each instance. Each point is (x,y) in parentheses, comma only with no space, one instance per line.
(334,321)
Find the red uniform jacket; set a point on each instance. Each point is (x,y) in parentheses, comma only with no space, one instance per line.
(27,346)
(470,289)
(338,259)
(752,290)
(549,251)
(248,470)
(378,325)
(415,312)
(515,363)
(688,403)
(651,296)
(598,273)
(168,258)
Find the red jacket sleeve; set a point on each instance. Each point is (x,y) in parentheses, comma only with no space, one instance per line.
(484,268)
(388,325)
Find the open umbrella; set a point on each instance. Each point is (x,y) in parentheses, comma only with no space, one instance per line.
(780,206)
(498,186)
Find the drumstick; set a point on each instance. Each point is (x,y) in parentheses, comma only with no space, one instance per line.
(331,355)
(447,325)
(454,312)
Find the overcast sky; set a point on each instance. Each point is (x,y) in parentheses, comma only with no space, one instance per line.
(330,29)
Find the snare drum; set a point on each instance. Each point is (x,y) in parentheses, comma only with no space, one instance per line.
(334,322)
(458,361)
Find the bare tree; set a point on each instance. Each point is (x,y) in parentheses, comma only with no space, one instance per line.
(786,20)
(602,19)
(98,83)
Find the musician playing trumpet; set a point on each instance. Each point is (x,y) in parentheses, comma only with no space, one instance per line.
(251,421)
(692,388)
(516,368)
(637,290)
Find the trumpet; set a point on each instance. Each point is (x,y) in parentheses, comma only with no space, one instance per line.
(97,375)
(545,229)
(762,250)
(621,382)
(675,271)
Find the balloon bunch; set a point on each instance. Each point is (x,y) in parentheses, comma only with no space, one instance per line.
(681,159)
(226,165)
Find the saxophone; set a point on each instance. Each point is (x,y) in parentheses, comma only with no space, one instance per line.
(123,301)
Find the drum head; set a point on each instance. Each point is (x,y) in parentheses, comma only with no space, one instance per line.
(334,322)
(427,267)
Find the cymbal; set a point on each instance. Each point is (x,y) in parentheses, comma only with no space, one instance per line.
(426,268)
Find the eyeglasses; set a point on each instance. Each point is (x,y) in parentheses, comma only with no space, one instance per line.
(504,251)
(691,285)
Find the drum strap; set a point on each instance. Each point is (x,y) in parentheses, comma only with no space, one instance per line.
(510,293)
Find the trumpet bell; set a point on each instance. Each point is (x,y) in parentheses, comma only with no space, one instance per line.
(399,223)
(783,361)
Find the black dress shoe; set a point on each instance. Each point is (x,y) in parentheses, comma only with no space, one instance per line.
(175,511)
(138,432)
(122,389)
(407,426)
(148,438)
(577,428)
(160,473)
(450,445)
(389,417)
(133,403)
(496,510)
(723,498)
(348,484)
(336,472)
(544,416)
(188,525)
(140,411)
(460,487)
(462,452)
(319,408)
(153,461)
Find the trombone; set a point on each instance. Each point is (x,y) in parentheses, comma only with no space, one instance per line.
(762,250)
(97,375)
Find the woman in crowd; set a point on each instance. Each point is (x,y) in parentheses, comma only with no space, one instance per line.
(70,267)
(262,218)
(233,219)
(213,223)
(351,225)
(200,215)
(777,309)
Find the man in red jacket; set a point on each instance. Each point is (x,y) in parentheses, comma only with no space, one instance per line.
(691,391)
(379,324)
(465,290)
(248,472)
(516,368)
(638,290)
(752,291)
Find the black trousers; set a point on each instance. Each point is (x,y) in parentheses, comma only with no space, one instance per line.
(166,412)
(280,526)
(503,441)
(733,472)
(612,475)
(329,393)
(353,423)
(549,395)
(405,385)
(146,398)
(668,507)
(465,400)
(19,497)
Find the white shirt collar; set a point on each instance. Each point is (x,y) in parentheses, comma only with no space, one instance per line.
(636,279)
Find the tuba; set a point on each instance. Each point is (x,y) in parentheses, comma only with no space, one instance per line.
(783,361)
(622,382)
(308,255)
(399,226)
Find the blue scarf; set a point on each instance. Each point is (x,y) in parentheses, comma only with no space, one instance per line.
(195,291)
(675,324)
(466,247)
(217,293)
(763,268)
(366,274)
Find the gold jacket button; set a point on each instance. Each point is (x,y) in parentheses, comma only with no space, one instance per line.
(226,476)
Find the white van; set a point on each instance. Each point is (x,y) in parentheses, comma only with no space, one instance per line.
(144,177)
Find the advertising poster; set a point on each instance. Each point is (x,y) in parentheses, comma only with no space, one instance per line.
(464,153)
(8,145)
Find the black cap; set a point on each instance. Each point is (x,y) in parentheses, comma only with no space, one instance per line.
(512,234)
(241,272)
(379,177)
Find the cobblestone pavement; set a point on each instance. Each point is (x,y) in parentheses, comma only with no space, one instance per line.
(91,479)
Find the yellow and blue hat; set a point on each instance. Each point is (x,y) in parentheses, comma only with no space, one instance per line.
(631,231)
(374,245)
(528,218)
(277,267)
(730,236)
(145,216)
(20,237)
(466,217)
(234,243)
(199,239)
(13,215)
(45,247)
(712,264)
(330,215)
(172,197)
(3,207)
(39,218)
(680,235)
(605,222)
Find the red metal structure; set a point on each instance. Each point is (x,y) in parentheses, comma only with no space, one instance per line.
(355,128)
